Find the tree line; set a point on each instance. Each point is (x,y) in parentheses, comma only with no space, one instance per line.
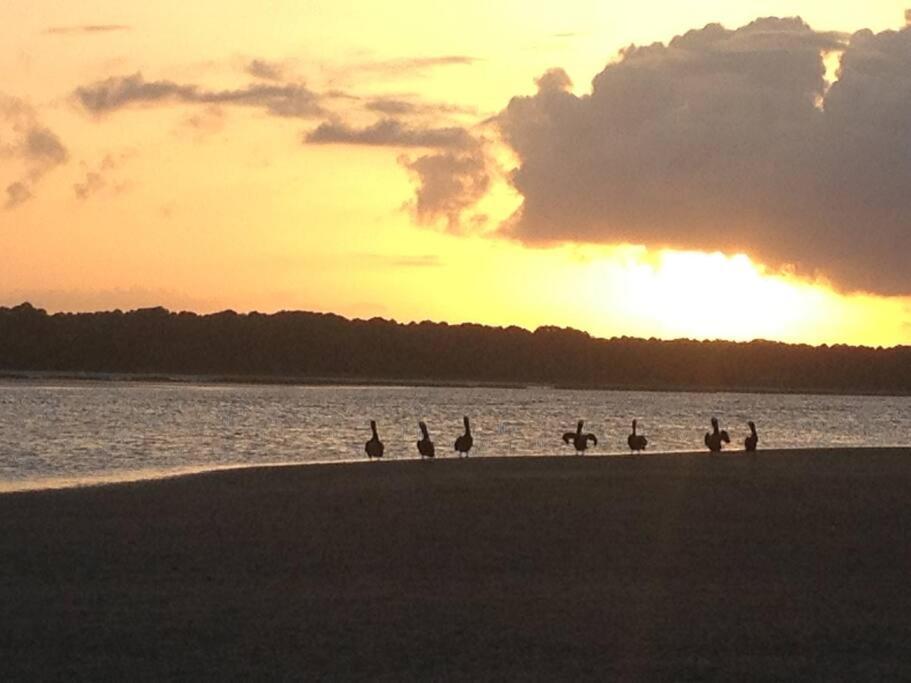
(301,345)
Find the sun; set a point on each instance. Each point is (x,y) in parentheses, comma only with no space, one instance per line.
(713,295)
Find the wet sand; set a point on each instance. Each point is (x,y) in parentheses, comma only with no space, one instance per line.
(779,565)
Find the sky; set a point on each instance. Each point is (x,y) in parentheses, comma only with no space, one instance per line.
(732,170)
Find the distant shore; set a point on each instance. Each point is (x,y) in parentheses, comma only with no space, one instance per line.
(783,564)
(267,380)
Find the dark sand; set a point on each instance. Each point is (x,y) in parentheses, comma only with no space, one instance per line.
(780,565)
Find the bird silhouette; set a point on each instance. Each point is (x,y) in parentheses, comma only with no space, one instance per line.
(579,440)
(425,445)
(374,447)
(752,440)
(716,439)
(637,442)
(464,443)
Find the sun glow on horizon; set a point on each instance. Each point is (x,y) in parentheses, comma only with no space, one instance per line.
(716,296)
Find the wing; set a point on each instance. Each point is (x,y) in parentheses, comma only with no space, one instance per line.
(568,437)
(592,438)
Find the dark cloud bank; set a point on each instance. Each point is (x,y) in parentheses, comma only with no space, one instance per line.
(730,140)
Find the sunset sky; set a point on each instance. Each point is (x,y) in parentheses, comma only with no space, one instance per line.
(731,176)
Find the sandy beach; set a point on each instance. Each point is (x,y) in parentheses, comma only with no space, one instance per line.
(780,565)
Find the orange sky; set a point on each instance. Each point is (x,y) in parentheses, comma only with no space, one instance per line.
(198,203)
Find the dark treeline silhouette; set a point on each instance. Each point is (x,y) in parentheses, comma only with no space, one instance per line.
(299,345)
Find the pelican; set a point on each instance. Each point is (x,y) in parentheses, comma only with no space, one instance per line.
(374,447)
(464,443)
(425,445)
(580,440)
(750,442)
(715,439)
(637,442)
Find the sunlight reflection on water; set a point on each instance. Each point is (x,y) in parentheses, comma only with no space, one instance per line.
(68,432)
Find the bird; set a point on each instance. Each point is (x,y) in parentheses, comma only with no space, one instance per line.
(374,447)
(425,445)
(579,440)
(752,440)
(715,439)
(464,443)
(637,442)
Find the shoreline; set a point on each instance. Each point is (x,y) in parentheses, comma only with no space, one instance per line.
(134,477)
(13,376)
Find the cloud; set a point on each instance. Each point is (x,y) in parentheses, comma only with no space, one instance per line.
(206,121)
(95,179)
(32,149)
(390,106)
(729,140)
(400,107)
(270,71)
(554,80)
(449,183)
(285,100)
(406,65)
(390,133)
(17,193)
(90,184)
(87,29)
(44,147)
(451,178)
(119,91)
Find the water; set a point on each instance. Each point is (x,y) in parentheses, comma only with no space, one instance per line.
(58,433)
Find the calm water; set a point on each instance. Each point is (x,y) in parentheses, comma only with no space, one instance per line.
(54,433)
